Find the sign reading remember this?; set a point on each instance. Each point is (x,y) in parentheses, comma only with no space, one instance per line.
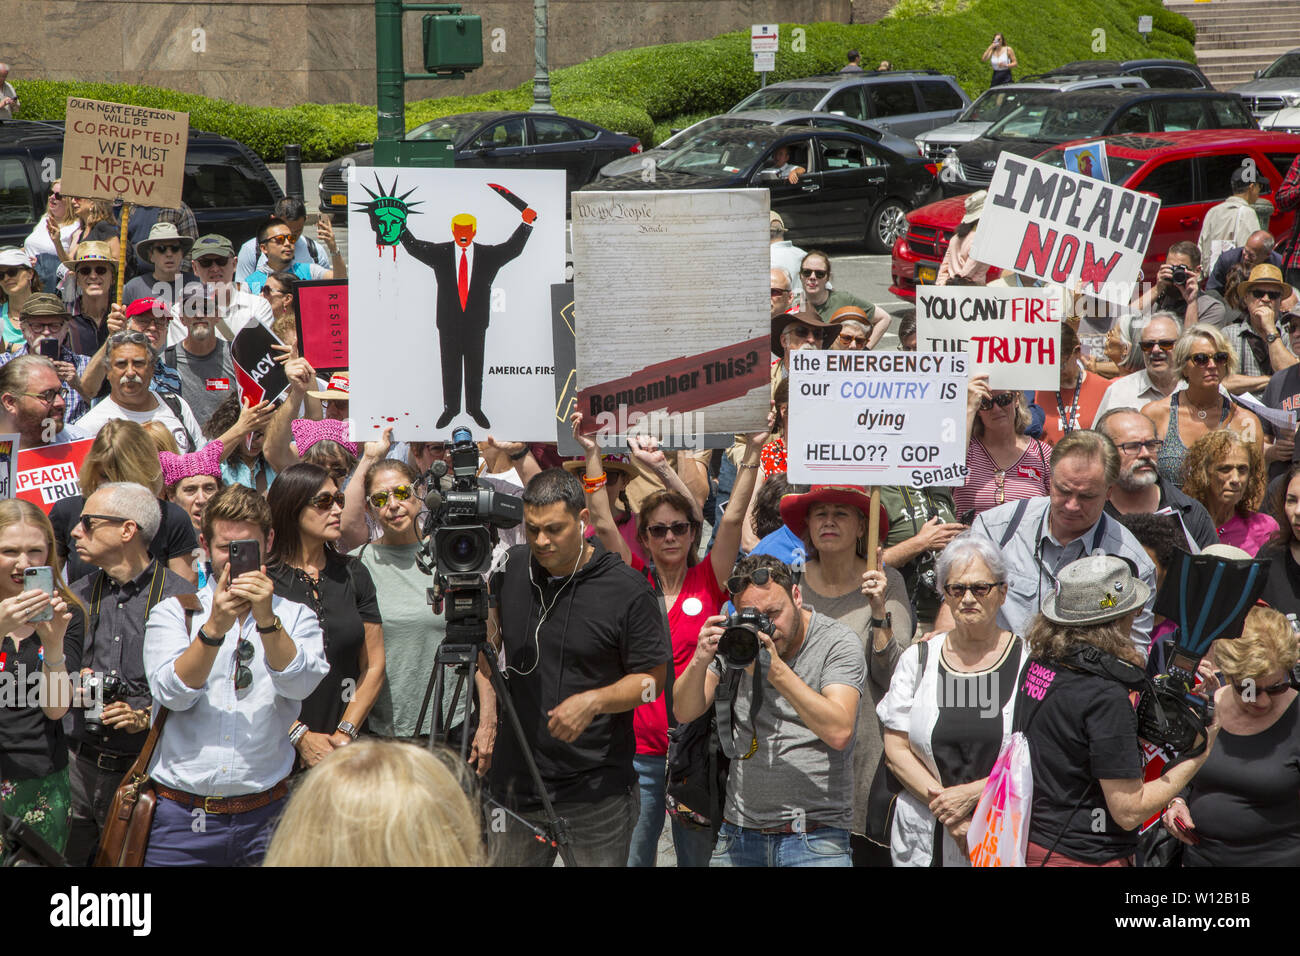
(1013,334)
(118,151)
(1051,224)
(877,418)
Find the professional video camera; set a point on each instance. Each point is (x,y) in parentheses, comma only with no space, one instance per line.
(739,645)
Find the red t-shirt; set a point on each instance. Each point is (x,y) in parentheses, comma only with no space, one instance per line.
(700,597)
(1088,393)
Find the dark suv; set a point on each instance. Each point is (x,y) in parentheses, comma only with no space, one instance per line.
(1159,74)
(1046,121)
(229,188)
(904,102)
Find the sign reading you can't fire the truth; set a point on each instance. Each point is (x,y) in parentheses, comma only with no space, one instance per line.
(119,151)
(1012,334)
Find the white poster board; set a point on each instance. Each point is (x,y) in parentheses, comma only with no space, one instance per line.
(429,349)
(1063,227)
(877,418)
(672,310)
(1013,334)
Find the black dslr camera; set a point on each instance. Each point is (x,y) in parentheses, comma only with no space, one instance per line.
(1179,275)
(111,689)
(739,645)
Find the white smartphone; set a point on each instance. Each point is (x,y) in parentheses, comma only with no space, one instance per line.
(40,579)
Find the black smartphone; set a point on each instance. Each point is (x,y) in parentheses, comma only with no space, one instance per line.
(245,555)
(49,348)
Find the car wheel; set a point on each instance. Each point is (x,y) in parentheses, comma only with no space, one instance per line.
(888,222)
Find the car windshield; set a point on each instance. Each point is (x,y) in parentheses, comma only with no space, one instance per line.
(1052,123)
(1120,168)
(1286,65)
(781,98)
(710,125)
(454,128)
(714,154)
(994,104)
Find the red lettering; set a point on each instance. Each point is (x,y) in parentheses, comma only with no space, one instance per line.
(1061,271)
(1094,271)
(1036,247)
(998,350)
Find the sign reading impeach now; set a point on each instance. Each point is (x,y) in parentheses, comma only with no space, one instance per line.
(118,151)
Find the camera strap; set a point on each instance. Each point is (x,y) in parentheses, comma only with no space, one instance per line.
(724,700)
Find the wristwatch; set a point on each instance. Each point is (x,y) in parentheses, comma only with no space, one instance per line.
(348,729)
(275,626)
(211,642)
(1272,337)
(886,622)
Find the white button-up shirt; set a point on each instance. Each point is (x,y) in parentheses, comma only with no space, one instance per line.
(220,742)
(1132,391)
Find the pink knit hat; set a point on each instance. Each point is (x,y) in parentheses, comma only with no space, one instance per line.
(307,432)
(205,461)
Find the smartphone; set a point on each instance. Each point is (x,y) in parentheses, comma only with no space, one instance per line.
(245,555)
(49,348)
(40,579)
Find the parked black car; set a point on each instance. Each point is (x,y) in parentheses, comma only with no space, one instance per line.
(1046,121)
(502,140)
(229,188)
(1159,74)
(853,187)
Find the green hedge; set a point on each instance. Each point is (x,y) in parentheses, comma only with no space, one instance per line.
(648,90)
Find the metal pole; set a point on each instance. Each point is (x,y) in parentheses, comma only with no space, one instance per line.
(293,170)
(542,77)
(390,93)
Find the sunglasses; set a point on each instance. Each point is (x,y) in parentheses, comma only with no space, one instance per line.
(278,239)
(678,528)
(380,498)
(1165,345)
(1001,401)
(10,273)
(1202,359)
(207,262)
(243,655)
(165,248)
(54,196)
(758,577)
(324,501)
(1131,447)
(1273,295)
(980,590)
(92,270)
(851,339)
(814,273)
(803,332)
(1252,688)
(86,519)
(776,291)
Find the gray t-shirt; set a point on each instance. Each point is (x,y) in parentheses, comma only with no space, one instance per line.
(794,774)
(206,380)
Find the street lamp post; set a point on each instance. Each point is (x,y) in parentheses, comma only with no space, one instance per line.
(541,77)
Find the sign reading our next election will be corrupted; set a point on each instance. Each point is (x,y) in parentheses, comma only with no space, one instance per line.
(1065,227)
(1013,334)
(120,151)
(877,418)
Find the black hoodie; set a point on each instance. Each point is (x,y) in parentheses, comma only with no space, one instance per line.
(592,631)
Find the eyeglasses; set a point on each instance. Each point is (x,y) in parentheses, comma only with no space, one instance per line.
(207,262)
(1251,688)
(243,673)
(324,501)
(10,273)
(851,339)
(980,590)
(814,273)
(46,328)
(92,270)
(286,238)
(678,528)
(1273,295)
(380,498)
(1001,401)
(1131,447)
(86,519)
(165,248)
(268,290)
(147,319)
(776,291)
(758,577)
(803,332)
(47,397)
(1165,345)
(1202,359)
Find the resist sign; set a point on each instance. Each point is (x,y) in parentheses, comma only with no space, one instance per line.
(877,418)
(1013,334)
(117,151)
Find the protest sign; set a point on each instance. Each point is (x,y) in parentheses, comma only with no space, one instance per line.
(1087,159)
(674,331)
(877,418)
(50,473)
(566,366)
(1013,334)
(321,306)
(453,322)
(8,464)
(259,376)
(118,151)
(1064,227)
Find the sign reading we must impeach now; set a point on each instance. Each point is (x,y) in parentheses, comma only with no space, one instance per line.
(118,151)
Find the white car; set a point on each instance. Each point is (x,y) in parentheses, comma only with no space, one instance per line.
(1287,120)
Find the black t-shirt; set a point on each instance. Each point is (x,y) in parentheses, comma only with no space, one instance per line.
(1281,392)
(175,537)
(344,600)
(592,629)
(968,732)
(31,745)
(1081,729)
(1282,589)
(1244,800)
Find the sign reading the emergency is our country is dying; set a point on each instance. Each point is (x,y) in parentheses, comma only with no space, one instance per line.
(1064,227)
(118,151)
(1013,334)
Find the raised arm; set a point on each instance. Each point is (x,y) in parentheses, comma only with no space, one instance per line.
(727,544)
(353,520)
(279,432)
(598,509)
(645,450)
(252,418)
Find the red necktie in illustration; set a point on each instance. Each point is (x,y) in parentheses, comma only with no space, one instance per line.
(462,280)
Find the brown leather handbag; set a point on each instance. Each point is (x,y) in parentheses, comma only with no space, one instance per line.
(126,833)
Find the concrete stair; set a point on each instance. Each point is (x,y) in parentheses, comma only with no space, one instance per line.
(1234,38)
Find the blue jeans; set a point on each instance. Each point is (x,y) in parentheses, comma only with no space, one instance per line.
(693,845)
(738,846)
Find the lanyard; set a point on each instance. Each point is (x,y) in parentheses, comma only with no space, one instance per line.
(1038,550)
(1070,422)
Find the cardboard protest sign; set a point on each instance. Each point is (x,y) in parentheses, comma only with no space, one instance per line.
(452,322)
(321,306)
(1063,227)
(117,151)
(877,418)
(674,329)
(1013,334)
(50,473)
(259,376)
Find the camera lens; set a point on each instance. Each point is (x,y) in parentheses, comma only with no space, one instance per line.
(463,550)
(461,434)
(738,646)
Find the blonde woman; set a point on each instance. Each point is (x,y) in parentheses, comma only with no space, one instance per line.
(379,804)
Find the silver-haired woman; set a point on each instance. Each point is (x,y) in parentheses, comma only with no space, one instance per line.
(949,708)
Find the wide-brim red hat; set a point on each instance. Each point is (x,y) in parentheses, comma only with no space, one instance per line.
(794,507)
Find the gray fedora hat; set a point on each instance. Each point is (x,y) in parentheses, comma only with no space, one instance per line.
(1094,590)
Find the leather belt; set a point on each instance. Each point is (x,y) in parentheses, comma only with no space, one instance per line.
(114,763)
(791,827)
(240,804)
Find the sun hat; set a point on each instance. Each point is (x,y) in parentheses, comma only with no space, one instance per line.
(795,507)
(336,391)
(163,232)
(974,206)
(1094,590)
(621,463)
(807,317)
